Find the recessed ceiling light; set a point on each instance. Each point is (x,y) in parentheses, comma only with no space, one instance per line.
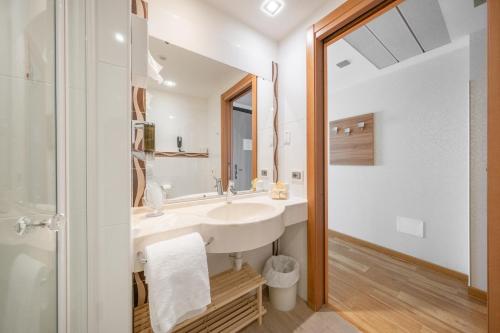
(119,37)
(169,83)
(272,7)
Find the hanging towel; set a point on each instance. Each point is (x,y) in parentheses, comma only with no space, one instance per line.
(178,282)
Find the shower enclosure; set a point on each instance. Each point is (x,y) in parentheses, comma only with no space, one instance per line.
(42,166)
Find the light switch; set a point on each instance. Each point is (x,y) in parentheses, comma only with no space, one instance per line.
(288,138)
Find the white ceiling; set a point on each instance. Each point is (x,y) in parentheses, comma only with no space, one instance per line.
(248,12)
(194,74)
(461,19)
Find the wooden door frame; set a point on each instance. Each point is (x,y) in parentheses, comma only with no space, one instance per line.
(344,19)
(249,82)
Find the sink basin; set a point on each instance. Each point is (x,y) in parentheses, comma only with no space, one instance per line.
(237,213)
(245,226)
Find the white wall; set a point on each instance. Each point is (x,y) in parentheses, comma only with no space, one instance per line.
(478,162)
(198,27)
(421,151)
(292,99)
(109,175)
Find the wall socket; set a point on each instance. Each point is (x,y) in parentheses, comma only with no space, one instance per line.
(264,173)
(410,226)
(297,176)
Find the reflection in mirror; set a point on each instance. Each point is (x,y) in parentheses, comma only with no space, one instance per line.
(241,123)
(406,101)
(185,102)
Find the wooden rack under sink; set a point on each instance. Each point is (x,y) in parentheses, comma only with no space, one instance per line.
(236,303)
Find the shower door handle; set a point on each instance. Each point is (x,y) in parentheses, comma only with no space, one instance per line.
(236,171)
(25,224)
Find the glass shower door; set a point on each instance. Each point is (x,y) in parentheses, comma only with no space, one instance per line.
(28,187)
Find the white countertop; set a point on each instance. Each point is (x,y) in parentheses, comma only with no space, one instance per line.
(183,218)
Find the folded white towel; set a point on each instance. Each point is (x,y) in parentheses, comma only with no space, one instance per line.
(178,282)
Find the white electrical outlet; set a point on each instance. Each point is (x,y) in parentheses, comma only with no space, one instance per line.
(410,226)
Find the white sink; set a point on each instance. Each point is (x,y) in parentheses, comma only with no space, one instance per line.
(244,226)
(244,212)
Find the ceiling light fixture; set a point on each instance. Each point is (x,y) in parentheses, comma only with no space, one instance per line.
(272,7)
(169,83)
(119,37)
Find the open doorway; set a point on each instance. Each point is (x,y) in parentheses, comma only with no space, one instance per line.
(353,17)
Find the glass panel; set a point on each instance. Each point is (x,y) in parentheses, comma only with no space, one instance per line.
(28,274)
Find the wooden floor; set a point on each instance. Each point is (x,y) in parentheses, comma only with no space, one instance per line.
(381,294)
(301,319)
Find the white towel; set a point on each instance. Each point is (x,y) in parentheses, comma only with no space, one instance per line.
(177,277)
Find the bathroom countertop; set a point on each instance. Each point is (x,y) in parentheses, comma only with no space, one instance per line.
(182,218)
(189,214)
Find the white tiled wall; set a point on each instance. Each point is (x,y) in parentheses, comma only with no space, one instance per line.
(112,189)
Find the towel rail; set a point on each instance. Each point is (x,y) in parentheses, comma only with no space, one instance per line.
(141,258)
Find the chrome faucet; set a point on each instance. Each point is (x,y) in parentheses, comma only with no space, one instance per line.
(218,183)
(218,186)
(231,191)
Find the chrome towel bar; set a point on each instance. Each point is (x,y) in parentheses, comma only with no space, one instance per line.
(142,259)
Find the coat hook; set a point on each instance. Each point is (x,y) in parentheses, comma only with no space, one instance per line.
(361,125)
(347,131)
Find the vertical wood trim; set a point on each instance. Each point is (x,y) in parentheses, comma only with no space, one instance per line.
(316,237)
(245,84)
(225,140)
(493,166)
(254,127)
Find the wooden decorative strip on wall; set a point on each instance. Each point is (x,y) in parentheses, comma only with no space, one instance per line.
(180,154)
(275,123)
(138,166)
(352,141)
(140,8)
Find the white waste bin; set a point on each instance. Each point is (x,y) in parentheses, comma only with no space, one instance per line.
(282,275)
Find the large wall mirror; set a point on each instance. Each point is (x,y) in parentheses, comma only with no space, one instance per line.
(212,125)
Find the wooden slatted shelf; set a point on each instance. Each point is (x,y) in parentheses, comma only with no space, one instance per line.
(236,303)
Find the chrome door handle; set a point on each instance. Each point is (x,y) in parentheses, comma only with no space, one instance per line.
(25,224)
